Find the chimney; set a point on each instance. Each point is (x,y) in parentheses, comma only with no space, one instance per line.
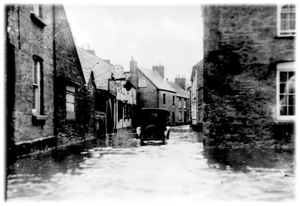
(181,81)
(133,71)
(133,66)
(160,69)
(91,52)
(107,61)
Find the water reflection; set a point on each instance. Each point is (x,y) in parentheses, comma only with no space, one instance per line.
(245,158)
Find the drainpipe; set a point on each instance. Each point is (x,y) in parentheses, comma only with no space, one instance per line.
(55,119)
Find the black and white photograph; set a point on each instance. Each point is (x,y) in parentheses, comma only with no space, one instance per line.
(149,102)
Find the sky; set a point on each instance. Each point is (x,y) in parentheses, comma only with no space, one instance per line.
(170,35)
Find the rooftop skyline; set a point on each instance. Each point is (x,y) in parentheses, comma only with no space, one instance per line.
(152,35)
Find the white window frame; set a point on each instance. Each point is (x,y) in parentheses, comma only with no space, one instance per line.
(142,82)
(70,102)
(36,10)
(194,110)
(283,67)
(37,66)
(280,32)
(179,103)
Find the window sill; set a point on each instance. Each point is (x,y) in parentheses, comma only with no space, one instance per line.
(39,117)
(71,116)
(38,20)
(71,119)
(285,37)
(279,122)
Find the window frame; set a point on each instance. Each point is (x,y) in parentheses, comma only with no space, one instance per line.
(164,98)
(283,67)
(179,103)
(120,110)
(37,10)
(280,32)
(71,114)
(37,84)
(142,83)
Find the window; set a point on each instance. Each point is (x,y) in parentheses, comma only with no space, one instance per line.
(286,20)
(173,100)
(120,109)
(164,98)
(194,110)
(37,86)
(37,10)
(142,82)
(129,111)
(37,15)
(184,103)
(179,102)
(180,115)
(125,111)
(70,102)
(286,91)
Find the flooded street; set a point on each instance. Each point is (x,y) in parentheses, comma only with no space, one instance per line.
(180,169)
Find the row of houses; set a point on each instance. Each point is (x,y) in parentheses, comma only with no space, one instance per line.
(243,91)
(59,94)
(154,91)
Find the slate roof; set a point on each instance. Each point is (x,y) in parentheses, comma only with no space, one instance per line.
(101,69)
(180,92)
(156,79)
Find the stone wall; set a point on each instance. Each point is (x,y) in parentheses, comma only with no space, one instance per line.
(68,72)
(90,115)
(28,39)
(30,36)
(240,54)
(168,104)
(147,96)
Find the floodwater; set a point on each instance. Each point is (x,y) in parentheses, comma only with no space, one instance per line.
(179,170)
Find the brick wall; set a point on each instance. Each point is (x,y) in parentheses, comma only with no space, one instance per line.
(240,54)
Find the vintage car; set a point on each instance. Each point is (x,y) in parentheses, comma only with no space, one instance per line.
(153,125)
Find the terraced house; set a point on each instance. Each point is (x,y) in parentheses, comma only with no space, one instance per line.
(180,101)
(45,86)
(249,75)
(154,91)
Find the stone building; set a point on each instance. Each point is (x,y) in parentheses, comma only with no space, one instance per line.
(45,87)
(196,97)
(104,101)
(126,103)
(115,96)
(249,72)
(181,101)
(153,91)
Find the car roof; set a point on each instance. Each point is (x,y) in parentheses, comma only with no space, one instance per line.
(155,109)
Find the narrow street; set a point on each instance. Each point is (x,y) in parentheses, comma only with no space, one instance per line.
(180,169)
